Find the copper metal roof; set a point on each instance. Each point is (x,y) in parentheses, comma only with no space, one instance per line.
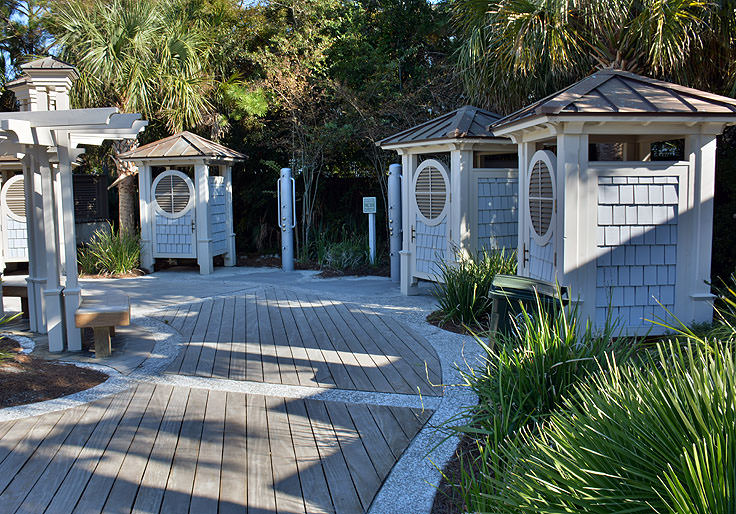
(465,122)
(47,63)
(183,145)
(611,91)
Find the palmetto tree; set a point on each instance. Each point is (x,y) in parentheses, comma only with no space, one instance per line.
(142,56)
(514,51)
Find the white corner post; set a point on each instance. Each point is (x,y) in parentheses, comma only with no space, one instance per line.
(461,161)
(144,202)
(230,256)
(52,291)
(407,283)
(204,254)
(36,243)
(285,190)
(72,293)
(394,219)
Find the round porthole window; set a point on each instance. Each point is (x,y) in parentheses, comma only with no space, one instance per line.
(430,190)
(14,198)
(173,193)
(541,194)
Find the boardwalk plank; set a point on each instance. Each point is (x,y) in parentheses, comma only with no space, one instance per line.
(153,483)
(181,478)
(54,473)
(224,352)
(75,481)
(10,439)
(417,344)
(374,442)
(253,355)
(206,492)
(98,487)
(233,483)
(269,357)
(187,322)
(284,357)
(194,348)
(389,427)
(406,420)
(339,480)
(305,370)
(311,474)
(209,344)
(239,352)
(288,491)
(261,497)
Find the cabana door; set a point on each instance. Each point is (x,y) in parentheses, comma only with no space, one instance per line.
(429,238)
(174,216)
(539,256)
(15,233)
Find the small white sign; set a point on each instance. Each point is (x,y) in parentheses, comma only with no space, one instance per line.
(369,205)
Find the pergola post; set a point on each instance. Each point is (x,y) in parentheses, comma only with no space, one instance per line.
(202,198)
(52,291)
(144,199)
(72,292)
(36,242)
(230,256)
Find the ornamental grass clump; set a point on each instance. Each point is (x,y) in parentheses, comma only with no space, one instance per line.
(464,285)
(110,253)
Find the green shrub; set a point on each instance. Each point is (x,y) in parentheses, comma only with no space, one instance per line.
(652,438)
(110,253)
(340,252)
(462,292)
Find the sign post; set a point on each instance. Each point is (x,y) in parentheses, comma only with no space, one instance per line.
(369,208)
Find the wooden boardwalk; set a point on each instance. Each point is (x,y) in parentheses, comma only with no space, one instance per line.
(281,337)
(158,448)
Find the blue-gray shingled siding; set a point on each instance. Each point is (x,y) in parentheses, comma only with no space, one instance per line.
(218,222)
(637,239)
(498,217)
(431,247)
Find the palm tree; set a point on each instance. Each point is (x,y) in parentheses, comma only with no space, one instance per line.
(514,51)
(142,56)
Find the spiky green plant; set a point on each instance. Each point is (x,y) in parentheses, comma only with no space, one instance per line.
(110,252)
(463,289)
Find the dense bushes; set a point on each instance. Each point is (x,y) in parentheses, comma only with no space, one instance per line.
(570,421)
(110,253)
(462,293)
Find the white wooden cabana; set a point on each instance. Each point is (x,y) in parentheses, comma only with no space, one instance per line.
(459,191)
(635,230)
(46,136)
(186,200)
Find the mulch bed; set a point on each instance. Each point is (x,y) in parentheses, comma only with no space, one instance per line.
(26,379)
(435,318)
(448,500)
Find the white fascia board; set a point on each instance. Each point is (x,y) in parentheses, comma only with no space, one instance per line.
(68,119)
(449,141)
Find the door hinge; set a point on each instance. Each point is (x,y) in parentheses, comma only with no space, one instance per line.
(413,233)
(194,226)
(555,260)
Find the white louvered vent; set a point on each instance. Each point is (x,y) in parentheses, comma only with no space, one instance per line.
(431,192)
(541,198)
(172,194)
(15,198)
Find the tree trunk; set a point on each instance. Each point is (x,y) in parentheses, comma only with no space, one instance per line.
(127,204)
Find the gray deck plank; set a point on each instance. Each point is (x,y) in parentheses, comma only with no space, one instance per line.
(254,361)
(287,488)
(209,344)
(319,345)
(305,370)
(261,496)
(269,357)
(366,479)
(75,481)
(234,480)
(153,483)
(98,487)
(239,352)
(181,478)
(339,480)
(374,442)
(224,352)
(368,337)
(389,427)
(10,439)
(421,348)
(357,373)
(362,355)
(287,367)
(186,320)
(181,317)
(41,494)
(406,420)
(131,471)
(23,480)
(311,474)
(194,348)
(5,426)
(206,492)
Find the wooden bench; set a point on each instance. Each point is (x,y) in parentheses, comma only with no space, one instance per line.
(18,290)
(103,314)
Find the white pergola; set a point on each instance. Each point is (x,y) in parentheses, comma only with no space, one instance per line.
(47,136)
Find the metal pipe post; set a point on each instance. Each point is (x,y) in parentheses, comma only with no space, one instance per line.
(287,217)
(394,219)
(372,237)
